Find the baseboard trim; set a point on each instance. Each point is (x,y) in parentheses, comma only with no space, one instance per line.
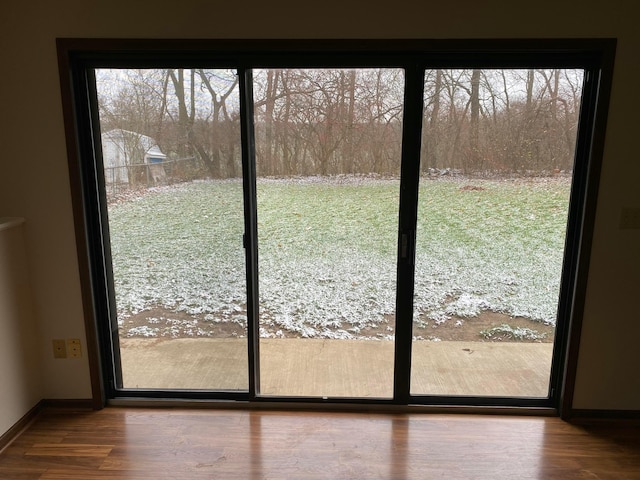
(579,414)
(10,435)
(74,403)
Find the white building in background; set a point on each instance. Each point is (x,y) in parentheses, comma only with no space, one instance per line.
(127,154)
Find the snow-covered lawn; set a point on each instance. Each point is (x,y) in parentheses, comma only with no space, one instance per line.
(327,251)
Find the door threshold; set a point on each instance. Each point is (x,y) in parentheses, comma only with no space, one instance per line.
(331,407)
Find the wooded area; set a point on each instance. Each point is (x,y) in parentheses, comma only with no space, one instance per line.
(345,121)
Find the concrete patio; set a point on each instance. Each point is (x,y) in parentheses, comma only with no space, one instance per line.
(338,368)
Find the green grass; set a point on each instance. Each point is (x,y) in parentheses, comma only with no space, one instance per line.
(327,251)
(499,248)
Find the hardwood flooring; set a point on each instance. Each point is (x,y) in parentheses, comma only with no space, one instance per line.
(165,443)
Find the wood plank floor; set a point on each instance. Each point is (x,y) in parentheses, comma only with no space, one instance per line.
(130,443)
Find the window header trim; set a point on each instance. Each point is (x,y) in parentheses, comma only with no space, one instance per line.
(482,53)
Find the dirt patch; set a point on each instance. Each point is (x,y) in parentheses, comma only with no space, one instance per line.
(488,327)
(471,188)
(161,322)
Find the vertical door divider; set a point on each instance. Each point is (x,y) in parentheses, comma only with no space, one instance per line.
(409,181)
(250,238)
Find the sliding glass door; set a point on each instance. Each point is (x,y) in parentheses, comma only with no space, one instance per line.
(328,165)
(174,199)
(352,225)
(497,163)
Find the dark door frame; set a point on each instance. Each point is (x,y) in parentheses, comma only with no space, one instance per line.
(77,58)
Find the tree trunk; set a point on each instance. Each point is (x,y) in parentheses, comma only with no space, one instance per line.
(475,120)
(185,121)
(269,107)
(349,147)
(432,135)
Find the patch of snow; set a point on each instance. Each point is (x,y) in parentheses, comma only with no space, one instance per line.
(329,272)
(143,331)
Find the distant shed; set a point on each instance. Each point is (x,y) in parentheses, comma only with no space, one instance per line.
(129,157)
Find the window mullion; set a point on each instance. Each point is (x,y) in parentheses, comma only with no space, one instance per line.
(409,173)
(251,226)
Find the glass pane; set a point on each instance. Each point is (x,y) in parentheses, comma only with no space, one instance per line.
(496,172)
(328,163)
(171,154)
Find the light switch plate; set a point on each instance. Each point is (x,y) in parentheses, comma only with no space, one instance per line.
(74,349)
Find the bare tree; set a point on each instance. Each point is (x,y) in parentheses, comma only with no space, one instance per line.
(431,134)
(475,120)
(337,121)
(212,156)
(208,139)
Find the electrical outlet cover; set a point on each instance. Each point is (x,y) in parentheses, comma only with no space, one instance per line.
(59,349)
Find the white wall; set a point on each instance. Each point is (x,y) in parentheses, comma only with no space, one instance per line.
(20,382)
(34,180)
